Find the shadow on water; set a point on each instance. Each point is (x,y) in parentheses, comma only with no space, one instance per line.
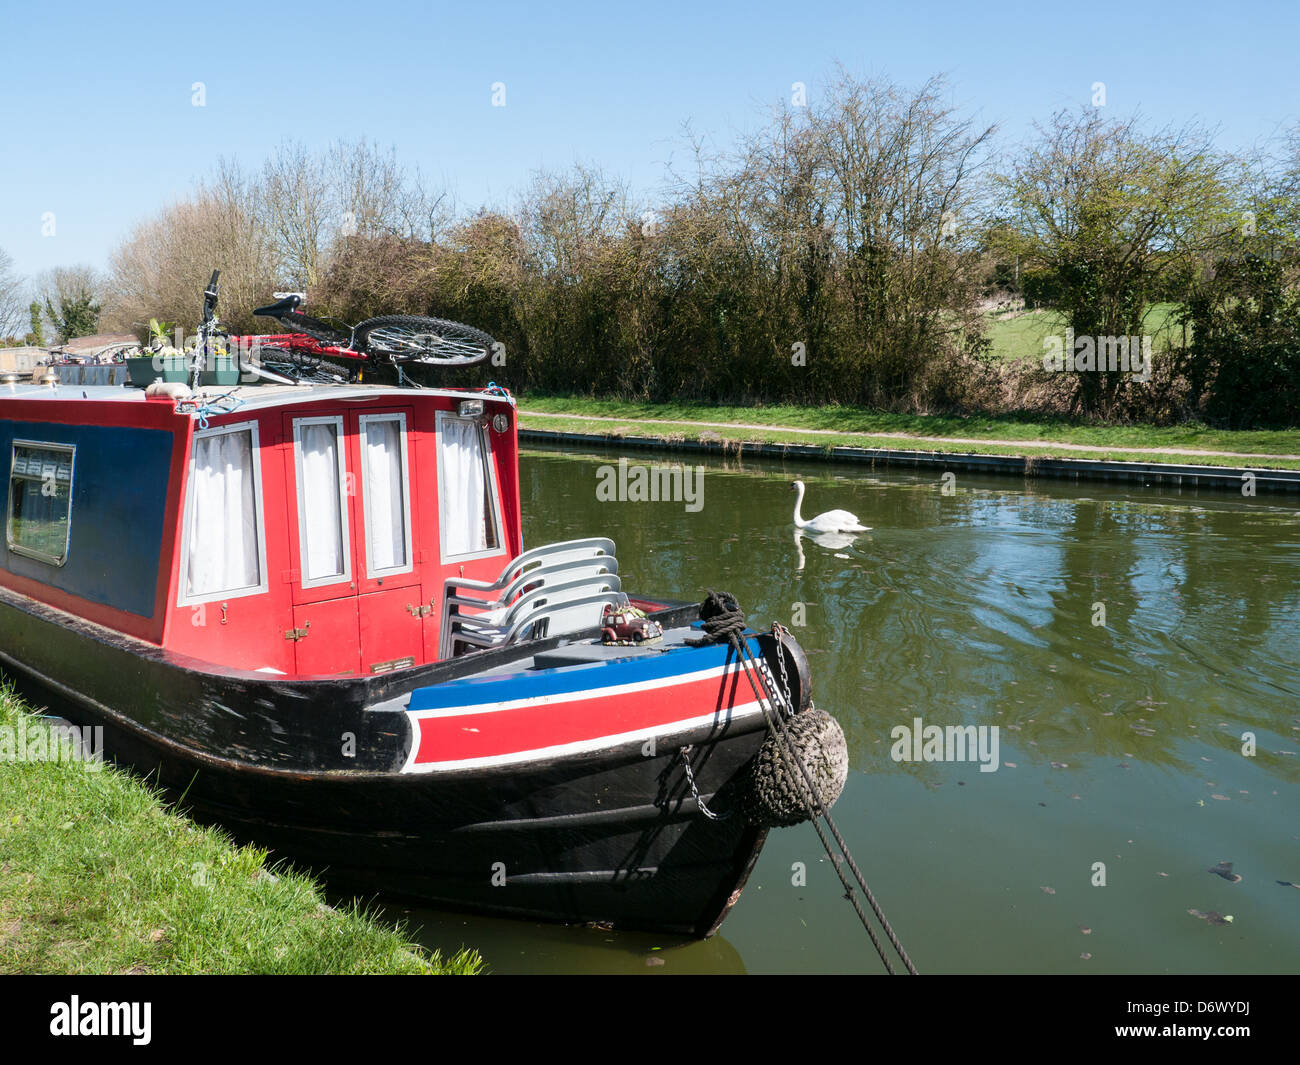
(522,947)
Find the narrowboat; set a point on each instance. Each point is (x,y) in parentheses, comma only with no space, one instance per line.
(308,609)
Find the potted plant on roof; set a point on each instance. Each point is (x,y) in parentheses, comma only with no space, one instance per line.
(220,367)
(158,359)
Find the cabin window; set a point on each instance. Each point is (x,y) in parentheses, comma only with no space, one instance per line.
(40,500)
(322,501)
(223,548)
(469,522)
(388,504)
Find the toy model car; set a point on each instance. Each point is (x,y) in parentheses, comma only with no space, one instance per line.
(628,625)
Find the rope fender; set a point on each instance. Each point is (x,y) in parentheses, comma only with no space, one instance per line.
(777,793)
(793,745)
(776,797)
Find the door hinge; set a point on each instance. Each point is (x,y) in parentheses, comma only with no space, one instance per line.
(421,611)
(297,634)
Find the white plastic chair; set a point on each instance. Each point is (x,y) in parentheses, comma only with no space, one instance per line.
(556,619)
(565,607)
(470,604)
(491,611)
(548,554)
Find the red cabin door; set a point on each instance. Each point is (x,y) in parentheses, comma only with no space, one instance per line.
(322,532)
(388,551)
(356,542)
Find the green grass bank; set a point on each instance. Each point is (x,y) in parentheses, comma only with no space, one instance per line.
(858,427)
(98,876)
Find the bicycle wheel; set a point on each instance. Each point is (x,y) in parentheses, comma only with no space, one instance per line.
(289,361)
(432,341)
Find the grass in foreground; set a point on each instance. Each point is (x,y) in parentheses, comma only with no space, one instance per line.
(914,431)
(97,876)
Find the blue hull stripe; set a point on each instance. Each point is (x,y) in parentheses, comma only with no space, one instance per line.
(535,683)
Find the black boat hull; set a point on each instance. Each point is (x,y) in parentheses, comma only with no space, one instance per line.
(612,837)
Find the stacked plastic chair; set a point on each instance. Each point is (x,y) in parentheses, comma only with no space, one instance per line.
(546,591)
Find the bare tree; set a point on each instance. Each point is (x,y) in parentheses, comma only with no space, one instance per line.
(297,200)
(373,195)
(13,303)
(844,227)
(161,269)
(567,219)
(900,170)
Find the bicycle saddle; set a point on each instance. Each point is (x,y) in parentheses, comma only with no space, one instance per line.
(285,306)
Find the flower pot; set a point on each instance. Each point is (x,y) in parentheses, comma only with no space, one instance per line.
(175,368)
(142,372)
(221,370)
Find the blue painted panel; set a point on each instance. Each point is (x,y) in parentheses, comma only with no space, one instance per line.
(533,683)
(119,495)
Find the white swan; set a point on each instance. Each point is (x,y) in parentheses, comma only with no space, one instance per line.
(833,521)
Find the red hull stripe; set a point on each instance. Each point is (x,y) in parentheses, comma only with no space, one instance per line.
(520,730)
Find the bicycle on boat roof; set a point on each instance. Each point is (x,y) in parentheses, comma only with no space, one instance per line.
(300,356)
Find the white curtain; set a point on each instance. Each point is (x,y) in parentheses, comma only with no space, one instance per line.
(223,554)
(385,505)
(463,496)
(322,531)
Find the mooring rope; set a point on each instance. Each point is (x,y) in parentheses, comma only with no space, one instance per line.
(793,752)
(724,621)
(204,405)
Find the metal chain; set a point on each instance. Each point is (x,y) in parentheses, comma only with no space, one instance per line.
(685,755)
(779,630)
(724,622)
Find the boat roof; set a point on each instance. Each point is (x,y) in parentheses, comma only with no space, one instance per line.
(251,397)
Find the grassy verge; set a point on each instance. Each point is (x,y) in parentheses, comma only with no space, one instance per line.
(96,876)
(836,426)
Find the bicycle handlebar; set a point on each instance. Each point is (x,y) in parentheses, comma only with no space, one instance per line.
(210,297)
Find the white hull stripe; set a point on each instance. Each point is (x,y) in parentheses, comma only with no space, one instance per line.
(735,713)
(586,695)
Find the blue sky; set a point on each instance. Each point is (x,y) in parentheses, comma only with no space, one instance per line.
(99,129)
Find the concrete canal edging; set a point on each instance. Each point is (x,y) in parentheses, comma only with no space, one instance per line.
(1156,474)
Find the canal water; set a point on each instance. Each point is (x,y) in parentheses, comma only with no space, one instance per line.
(1137,650)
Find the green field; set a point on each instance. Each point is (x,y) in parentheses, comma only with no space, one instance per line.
(1020,334)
